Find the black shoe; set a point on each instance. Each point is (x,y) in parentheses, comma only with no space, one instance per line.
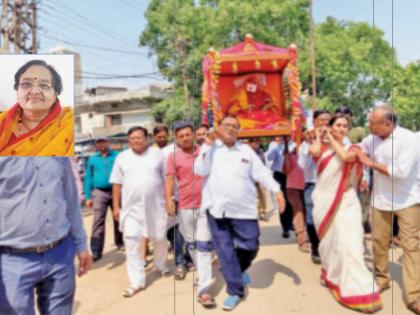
(316,259)
(367,228)
(96,257)
(285,234)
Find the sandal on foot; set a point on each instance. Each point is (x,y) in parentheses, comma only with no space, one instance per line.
(414,307)
(132,291)
(180,273)
(165,272)
(262,216)
(206,300)
(305,248)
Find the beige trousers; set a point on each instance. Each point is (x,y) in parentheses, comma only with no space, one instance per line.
(409,223)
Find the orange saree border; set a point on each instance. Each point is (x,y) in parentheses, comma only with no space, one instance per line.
(56,110)
(369,303)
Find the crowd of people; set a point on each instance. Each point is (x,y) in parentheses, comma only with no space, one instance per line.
(203,197)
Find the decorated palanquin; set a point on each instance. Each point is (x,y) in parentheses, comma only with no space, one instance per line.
(257,83)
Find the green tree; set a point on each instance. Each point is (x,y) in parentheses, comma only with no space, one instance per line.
(354,64)
(406,95)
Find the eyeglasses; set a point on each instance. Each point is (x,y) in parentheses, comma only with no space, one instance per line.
(136,138)
(226,126)
(46,87)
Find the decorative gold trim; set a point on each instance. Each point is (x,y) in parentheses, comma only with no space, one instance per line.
(235,68)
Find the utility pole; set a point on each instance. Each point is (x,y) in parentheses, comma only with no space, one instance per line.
(312,55)
(19,25)
(34,26)
(180,46)
(16,25)
(4,25)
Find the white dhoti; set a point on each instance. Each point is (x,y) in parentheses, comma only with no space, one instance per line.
(194,228)
(135,263)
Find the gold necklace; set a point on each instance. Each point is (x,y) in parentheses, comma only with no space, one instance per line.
(22,128)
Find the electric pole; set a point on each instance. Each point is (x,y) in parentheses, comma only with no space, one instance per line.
(19,26)
(312,55)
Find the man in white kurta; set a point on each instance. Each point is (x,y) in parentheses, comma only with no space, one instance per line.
(138,172)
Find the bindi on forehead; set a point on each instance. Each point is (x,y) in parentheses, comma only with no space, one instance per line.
(37,73)
(35,79)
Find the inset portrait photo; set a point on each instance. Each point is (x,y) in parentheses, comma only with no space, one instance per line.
(37,105)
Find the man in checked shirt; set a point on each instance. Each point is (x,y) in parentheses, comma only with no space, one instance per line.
(41,232)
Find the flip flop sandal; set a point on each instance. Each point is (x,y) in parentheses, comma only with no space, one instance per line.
(305,248)
(206,300)
(131,291)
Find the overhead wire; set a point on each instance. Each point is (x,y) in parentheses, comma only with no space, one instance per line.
(120,38)
(85,30)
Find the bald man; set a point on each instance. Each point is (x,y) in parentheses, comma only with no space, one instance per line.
(391,152)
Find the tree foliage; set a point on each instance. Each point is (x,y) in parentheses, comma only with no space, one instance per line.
(354,64)
(406,95)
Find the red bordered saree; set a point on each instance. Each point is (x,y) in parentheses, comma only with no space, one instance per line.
(337,216)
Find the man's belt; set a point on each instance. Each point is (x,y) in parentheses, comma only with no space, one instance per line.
(31,250)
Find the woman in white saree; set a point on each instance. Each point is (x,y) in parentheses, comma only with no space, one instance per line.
(337,217)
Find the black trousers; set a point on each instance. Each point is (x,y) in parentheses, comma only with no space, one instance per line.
(102,200)
(286,218)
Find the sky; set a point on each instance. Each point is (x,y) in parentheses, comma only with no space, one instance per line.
(110,25)
(95,28)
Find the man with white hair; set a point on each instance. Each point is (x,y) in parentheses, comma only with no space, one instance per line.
(393,157)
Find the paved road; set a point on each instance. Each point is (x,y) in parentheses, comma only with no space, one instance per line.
(284,281)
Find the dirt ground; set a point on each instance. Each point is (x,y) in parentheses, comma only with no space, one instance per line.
(284,281)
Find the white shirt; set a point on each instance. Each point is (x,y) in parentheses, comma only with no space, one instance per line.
(141,177)
(398,152)
(306,163)
(230,175)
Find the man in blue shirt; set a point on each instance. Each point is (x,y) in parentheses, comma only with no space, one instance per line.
(41,231)
(98,194)
(275,154)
